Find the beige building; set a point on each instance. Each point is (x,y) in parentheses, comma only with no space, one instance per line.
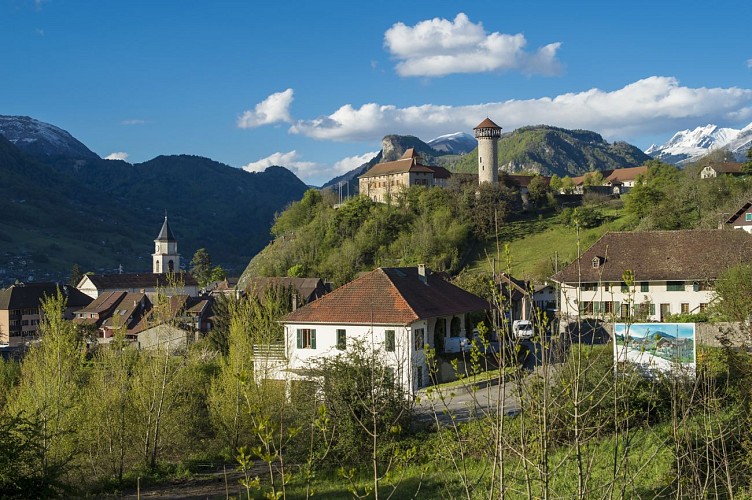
(387,179)
(20,308)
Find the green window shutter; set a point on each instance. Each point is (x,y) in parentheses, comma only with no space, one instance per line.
(652,309)
(597,307)
(644,286)
(300,339)
(313,339)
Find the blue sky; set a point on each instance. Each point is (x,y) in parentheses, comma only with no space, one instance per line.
(314,86)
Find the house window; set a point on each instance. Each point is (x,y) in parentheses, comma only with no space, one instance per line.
(589,287)
(748,217)
(675,286)
(606,286)
(586,307)
(685,308)
(624,288)
(644,286)
(703,307)
(609,307)
(389,340)
(705,286)
(306,338)
(341,340)
(419,339)
(596,262)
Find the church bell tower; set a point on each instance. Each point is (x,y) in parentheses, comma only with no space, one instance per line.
(165,258)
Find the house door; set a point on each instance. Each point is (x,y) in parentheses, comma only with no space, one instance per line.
(665,311)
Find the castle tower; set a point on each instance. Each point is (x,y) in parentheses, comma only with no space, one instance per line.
(165,258)
(488,133)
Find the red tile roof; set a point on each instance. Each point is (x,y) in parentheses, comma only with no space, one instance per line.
(728,167)
(408,163)
(487,123)
(389,296)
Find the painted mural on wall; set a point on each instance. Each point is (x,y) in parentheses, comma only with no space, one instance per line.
(656,346)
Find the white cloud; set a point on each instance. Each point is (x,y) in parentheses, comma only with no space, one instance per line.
(290,160)
(749,63)
(117,156)
(273,109)
(346,164)
(133,122)
(651,105)
(439,47)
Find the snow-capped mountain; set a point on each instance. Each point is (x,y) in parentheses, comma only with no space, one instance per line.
(42,139)
(457,143)
(689,145)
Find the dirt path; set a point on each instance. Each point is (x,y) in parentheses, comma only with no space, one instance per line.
(211,485)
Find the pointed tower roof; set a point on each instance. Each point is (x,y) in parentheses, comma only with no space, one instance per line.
(166,233)
(487,123)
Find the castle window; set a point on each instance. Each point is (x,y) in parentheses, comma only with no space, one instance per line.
(171,265)
(748,217)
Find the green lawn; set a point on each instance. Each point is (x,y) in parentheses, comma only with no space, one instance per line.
(535,242)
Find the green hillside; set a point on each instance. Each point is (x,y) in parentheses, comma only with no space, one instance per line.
(550,150)
(453,229)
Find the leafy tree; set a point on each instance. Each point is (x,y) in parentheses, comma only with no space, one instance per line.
(108,423)
(733,290)
(226,400)
(567,185)
(593,179)
(556,183)
(217,274)
(537,189)
(49,392)
(201,267)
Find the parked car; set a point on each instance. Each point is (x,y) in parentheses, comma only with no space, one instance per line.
(522,329)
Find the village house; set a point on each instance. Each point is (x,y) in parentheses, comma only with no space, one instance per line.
(714,169)
(21,308)
(522,299)
(397,310)
(673,272)
(742,219)
(615,182)
(176,322)
(387,179)
(151,284)
(114,310)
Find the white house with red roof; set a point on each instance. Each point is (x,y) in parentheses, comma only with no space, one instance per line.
(396,310)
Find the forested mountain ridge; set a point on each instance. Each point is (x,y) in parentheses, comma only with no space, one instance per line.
(59,210)
(551,150)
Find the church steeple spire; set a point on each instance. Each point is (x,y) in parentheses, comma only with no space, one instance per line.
(165,258)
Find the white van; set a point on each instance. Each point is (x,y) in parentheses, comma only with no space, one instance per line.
(522,329)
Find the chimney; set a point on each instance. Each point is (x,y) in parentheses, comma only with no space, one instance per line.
(422,274)
(294,301)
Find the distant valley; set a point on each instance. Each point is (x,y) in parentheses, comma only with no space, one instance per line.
(62,204)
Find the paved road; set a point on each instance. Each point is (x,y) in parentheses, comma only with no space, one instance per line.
(464,403)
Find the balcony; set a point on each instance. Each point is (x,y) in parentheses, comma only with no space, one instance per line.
(273,351)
